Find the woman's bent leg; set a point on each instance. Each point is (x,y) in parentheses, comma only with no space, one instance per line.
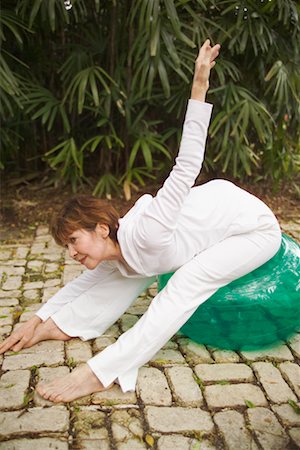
(189,287)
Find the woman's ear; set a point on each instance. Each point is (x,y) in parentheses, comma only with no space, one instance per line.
(102,230)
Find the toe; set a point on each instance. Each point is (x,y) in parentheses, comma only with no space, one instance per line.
(52,398)
(40,389)
(43,391)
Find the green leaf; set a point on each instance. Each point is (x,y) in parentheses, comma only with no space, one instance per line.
(34,11)
(294,405)
(147,154)
(94,89)
(164,78)
(249,404)
(154,37)
(51,13)
(133,152)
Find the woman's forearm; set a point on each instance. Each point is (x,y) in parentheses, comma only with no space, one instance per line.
(198,93)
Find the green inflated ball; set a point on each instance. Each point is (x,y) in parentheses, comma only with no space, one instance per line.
(255,311)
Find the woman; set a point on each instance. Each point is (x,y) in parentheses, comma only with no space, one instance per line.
(209,235)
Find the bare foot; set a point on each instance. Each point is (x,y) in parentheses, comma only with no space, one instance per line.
(47,330)
(82,381)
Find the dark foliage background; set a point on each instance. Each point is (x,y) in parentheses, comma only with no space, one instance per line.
(97,94)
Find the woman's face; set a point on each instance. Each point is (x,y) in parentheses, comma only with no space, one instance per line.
(90,247)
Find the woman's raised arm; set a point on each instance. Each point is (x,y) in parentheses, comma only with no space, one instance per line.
(166,206)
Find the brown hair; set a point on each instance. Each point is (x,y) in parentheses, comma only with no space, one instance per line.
(83,212)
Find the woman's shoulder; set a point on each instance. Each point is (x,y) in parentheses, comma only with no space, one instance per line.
(138,207)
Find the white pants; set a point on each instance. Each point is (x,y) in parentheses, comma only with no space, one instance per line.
(90,314)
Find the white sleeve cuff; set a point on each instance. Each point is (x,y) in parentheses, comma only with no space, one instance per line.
(199,110)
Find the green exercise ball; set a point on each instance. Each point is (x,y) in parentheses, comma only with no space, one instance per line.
(255,311)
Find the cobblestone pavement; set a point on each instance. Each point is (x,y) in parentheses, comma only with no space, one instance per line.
(189,396)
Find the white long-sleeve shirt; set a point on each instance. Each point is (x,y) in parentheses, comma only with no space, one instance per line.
(144,232)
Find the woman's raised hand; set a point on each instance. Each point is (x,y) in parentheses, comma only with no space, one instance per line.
(204,63)
(19,338)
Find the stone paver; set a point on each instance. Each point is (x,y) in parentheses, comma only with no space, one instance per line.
(13,387)
(139,306)
(195,353)
(10,294)
(278,353)
(102,342)
(49,292)
(287,414)
(35,444)
(178,419)
(33,285)
(152,387)
(78,351)
(225,371)
(12,282)
(233,395)
(233,428)
(295,436)
(170,345)
(32,295)
(291,372)
(114,396)
(6,329)
(9,301)
(5,254)
(177,442)
(35,265)
(112,332)
(184,387)
(29,312)
(11,270)
(34,420)
(270,377)
(165,357)
(51,267)
(225,356)
(53,282)
(90,430)
(48,353)
(21,252)
(295,344)
(71,272)
(267,429)
(188,396)
(127,321)
(131,444)
(54,256)
(127,430)
(6,316)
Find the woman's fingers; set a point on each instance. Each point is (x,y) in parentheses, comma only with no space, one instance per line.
(19,345)
(20,337)
(215,52)
(8,343)
(208,53)
(14,342)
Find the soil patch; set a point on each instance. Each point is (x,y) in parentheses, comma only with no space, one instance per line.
(25,206)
